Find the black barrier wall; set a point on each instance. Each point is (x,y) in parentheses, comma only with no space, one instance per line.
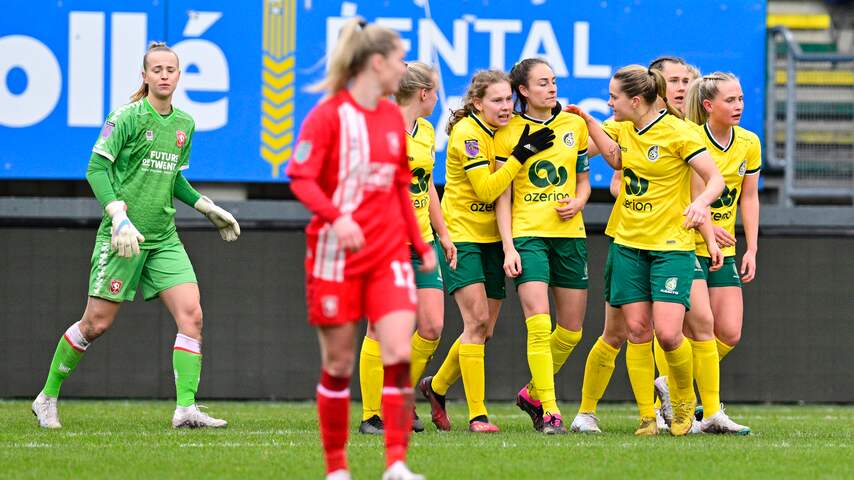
(797,345)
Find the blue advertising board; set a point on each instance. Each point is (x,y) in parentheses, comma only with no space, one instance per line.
(65,65)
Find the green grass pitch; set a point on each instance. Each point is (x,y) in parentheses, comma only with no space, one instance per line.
(133,439)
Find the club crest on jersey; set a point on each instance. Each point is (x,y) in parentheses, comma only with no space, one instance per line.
(393,143)
(108,129)
(472,148)
(329,306)
(149,135)
(302,152)
(652,153)
(115,286)
(742,168)
(569,139)
(181,138)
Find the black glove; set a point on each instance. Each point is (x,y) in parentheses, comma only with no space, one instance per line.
(531,144)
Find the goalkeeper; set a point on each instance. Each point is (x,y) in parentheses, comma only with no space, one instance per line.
(134,171)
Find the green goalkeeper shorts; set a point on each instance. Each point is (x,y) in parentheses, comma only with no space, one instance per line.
(116,278)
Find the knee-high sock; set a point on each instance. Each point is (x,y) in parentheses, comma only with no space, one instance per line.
(680,379)
(333,410)
(561,342)
(422,352)
(68,353)
(449,372)
(398,402)
(641,367)
(597,375)
(723,349)
(707,374)
(370,377)
(474,381)
(540,361)
(187,365)
(660,364)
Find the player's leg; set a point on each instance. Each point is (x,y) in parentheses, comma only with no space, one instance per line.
(728,307)
(371,383)
(569,286)
(474,309)
(333,390)
(699,330)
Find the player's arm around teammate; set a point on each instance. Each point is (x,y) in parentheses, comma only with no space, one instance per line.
(134,171)
(357,264)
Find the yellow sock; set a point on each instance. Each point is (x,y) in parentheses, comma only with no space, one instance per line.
(449,372)
(474,381)
(422,352)
(660,364)
(597,375)
(561,342)
(371,378)
(723,348)
(707,373)
(540,360)
(641,366)
(680,379)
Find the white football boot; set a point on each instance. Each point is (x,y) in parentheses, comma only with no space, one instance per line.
(399,471)
(585,423)
(721,423)
(44,408)
(660,422)
(192,417)
(663,392)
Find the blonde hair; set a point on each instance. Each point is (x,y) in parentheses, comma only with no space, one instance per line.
(357,41)
(418,75)
(481,80)
(646,83)
(704,88)
(694,72)
(142,91)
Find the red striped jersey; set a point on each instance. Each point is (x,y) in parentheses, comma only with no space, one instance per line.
(357,157)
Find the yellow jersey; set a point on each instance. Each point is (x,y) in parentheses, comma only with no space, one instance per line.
(656,182)
(614,217)
(547,176)
(743,156)
(420,144)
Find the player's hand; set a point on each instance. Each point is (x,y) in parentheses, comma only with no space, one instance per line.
(716,257)
(572,108)
(512,263)
(428,261)
(450,251)
(228,228)
(349,233)
(530,144)
(570,207)
(694,215)
(748,266)
(724,238)
(125,237)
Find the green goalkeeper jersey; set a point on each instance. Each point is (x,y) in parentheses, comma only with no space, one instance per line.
(147,151)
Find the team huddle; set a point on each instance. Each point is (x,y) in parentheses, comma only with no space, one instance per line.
(382,245)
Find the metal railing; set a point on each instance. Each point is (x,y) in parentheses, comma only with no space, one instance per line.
(815,127)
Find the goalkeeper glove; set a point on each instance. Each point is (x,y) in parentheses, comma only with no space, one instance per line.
(126,238)
(228,228)
(532,143)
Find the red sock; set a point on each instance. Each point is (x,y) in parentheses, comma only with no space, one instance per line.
(333,410)
(397,410)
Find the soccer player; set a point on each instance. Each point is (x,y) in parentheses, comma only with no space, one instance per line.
(135,170)
(678,76)
(472,185)
(652,261)
(355,180)
(544,237)
(416,98)
(716,103)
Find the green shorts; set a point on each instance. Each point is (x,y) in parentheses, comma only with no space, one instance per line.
(726,276)
(606,285)
(647,275)
(559,262)
(477,263)
(116,278)
(699,272)
(433,278)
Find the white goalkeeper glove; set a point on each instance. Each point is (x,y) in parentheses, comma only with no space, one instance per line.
(126,238)
(222,220)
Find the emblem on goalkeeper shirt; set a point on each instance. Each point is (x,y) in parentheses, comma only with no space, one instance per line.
(108,129)
(115,286)
(181,138)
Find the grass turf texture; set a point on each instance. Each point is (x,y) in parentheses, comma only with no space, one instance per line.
(134,439)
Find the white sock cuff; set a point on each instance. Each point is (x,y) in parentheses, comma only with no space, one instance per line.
(75,337)
(190,344)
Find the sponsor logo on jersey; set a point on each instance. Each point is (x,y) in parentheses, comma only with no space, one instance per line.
(670,286)
(652,153)
(379,176)
(727,198)
(108,129)
(302,152)
(160,162)
(481,207)
(635,185)
(181,138)
(149,135)
(420,181)
(569,139)
(329,306)
(472,148)
(546,197)
(742,168)
(393,143)
(115,286)
(553,176)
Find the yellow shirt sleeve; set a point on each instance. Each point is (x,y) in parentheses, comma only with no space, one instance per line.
(487,185)
(754,157)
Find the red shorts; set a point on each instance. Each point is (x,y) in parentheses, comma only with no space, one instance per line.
(388,287)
